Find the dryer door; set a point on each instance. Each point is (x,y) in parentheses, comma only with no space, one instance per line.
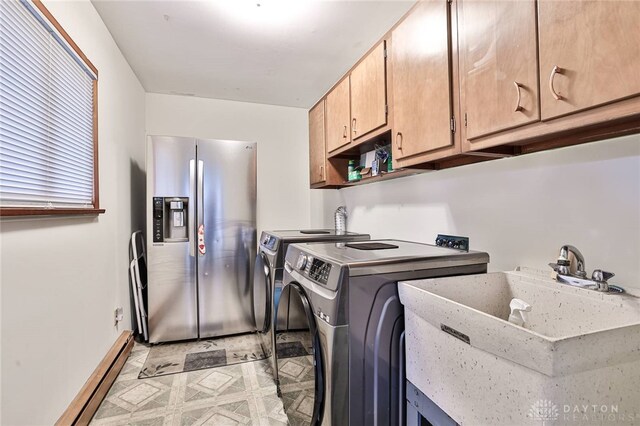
(299,363)
(262,293)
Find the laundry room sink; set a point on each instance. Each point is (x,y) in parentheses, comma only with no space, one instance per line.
(576,345)
(563,322)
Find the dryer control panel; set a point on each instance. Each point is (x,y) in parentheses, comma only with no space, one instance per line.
(269,241)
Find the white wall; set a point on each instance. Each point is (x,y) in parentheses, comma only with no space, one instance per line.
(62,278)
(520,210)
(280,132)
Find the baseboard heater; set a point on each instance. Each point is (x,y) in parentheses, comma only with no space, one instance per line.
(85,404)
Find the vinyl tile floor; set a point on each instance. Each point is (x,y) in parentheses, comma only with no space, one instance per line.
(240,394)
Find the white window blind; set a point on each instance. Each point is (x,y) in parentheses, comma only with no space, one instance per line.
(46,114)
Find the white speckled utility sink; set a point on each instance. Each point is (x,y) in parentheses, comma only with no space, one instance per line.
(563,325)
(576,346)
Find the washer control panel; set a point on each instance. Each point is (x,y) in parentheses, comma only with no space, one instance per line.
(315,269)
(319,271)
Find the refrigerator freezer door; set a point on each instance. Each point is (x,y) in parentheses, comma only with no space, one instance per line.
(227,220)
(172,294)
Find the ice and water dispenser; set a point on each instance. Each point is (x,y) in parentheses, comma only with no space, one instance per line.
(170,217)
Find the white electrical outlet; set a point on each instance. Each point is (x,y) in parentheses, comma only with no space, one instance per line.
(118,315)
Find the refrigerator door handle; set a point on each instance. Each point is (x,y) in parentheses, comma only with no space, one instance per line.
(201,240)
(191,207)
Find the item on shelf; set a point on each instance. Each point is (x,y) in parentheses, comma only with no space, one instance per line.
(353,171)
(375,167)
(383,158)
(350,169)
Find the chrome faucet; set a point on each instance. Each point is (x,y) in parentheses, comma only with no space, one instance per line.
(564,262)
(576,275)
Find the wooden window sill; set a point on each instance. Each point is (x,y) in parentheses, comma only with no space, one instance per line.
(21,211)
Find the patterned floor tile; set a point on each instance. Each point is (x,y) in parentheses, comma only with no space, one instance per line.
(216,381)
(109,410)
(212,383)
(291,369)
(157,421)
(273,422)
(296,370)
(139,393)
(189,418)
(297,384)
(239,394)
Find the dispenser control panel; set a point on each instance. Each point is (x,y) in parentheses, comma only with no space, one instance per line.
(158,222)
(170,221)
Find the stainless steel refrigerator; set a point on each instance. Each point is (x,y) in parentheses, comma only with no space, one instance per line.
(201,237)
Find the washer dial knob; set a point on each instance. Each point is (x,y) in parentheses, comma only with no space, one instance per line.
(302,262)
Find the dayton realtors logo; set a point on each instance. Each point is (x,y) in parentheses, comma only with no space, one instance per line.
(544,410)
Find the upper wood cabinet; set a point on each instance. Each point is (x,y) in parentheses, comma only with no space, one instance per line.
(338,114)
(369,93)
(498,65)
(589,53)
(421,81)
(317,147)
(471,80)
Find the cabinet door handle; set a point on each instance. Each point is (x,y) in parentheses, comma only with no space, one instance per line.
(556,70)
(353,125)
(518,106)
(399,140)
(344,134)
(321,171)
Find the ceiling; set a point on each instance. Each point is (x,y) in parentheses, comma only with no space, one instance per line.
(279,52)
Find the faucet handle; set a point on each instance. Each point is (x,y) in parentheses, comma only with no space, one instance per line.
(601,276)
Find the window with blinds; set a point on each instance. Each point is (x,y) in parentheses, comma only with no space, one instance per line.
(47,115)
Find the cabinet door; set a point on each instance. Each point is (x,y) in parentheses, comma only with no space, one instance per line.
(589,53)
(317,147)
(421,80)
(338,116)
(369,93)
(499,65)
